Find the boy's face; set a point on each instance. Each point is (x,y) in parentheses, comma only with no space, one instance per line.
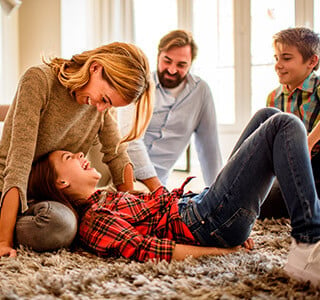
(290,67)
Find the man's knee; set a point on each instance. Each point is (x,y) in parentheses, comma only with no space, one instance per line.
(47,225)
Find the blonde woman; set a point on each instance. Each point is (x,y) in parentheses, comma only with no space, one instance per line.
(65,104)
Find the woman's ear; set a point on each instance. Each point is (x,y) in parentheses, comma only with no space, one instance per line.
(62,184)
(95,67)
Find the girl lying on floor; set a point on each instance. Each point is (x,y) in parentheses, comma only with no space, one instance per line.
(173,225)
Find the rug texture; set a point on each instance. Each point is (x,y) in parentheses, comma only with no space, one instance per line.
(78,274)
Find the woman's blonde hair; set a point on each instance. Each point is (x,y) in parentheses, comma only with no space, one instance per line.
(125,68)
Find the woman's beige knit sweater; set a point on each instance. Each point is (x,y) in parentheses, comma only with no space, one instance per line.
(45,117)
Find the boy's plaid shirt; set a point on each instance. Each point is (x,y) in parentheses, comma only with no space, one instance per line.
(304,102)
(140,227)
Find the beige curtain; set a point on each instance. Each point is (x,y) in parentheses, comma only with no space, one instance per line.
(118,24)
(111,20)
(8,6)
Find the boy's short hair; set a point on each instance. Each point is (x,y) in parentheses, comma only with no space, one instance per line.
(306,41)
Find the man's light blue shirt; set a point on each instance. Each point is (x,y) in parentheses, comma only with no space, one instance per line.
(169,133)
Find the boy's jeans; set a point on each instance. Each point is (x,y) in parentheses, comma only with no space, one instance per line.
(273,144)
(47,225)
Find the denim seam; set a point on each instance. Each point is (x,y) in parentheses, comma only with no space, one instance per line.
(296,180)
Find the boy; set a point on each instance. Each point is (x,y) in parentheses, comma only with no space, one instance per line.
(296,52)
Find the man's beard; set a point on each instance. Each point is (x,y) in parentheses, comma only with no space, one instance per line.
(170,83)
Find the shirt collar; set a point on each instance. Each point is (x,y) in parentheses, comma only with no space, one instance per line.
(306,86)
(95,197)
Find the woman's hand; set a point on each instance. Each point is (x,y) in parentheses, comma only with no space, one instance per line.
(6,250)
(127,185)
(8,218)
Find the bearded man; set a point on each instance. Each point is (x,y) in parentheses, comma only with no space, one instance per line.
(183,108)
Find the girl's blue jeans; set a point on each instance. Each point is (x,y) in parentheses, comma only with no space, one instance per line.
(274,144)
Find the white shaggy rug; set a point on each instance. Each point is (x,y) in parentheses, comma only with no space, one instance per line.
(78,274)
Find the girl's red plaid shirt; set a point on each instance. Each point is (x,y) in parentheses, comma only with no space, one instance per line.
(140,227)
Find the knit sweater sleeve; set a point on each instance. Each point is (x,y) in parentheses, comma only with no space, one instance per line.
(20,132)
(114,154)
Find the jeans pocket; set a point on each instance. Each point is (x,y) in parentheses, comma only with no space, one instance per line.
(234,231)
(190,216)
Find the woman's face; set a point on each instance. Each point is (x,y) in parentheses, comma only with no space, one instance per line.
(74,173)
(98,92)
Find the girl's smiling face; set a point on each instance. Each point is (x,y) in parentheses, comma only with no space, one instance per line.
(98,91)
(290,67)
(74,174)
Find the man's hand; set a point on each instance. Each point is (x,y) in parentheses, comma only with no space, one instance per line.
(152,183)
